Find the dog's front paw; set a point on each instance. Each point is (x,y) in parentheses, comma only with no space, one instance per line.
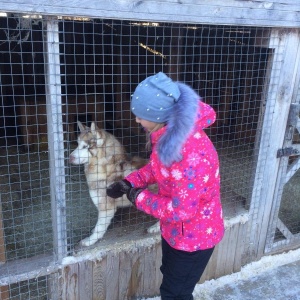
(154,228)
(87,242)
(91,240)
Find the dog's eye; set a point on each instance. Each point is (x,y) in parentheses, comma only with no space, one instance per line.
(85,147)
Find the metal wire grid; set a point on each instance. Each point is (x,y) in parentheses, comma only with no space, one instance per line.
(101,62)
(33,289)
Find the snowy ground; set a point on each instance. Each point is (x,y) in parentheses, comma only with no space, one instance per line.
(251,271)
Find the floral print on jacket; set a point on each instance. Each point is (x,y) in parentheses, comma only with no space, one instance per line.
(188,199)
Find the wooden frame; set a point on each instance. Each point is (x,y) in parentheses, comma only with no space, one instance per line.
(282,13)
(56,140)
(279,97)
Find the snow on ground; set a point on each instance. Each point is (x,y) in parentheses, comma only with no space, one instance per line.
(251,270)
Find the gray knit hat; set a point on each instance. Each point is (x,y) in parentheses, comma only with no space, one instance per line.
(154,98)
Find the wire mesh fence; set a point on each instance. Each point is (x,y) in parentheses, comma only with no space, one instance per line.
(100,64)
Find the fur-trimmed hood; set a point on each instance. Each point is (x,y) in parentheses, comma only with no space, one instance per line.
(186,114)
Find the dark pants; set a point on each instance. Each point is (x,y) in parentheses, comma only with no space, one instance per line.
(181,271)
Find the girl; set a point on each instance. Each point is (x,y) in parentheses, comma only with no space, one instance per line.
(185,166)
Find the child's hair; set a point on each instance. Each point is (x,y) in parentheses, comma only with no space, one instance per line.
(148,141)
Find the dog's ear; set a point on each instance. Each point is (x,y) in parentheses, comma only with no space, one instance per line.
(98,134)
(94,128)
(81,126)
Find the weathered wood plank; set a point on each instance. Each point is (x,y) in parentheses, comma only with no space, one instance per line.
(149,272)
(112,276)
(284,13)
(99,281)
(219,258)
(124,274)
(70,283)
(210,269)
(85,280)
(158,274)
(234,243)
(128,273)
(136,275)
(141,272)
(54,285)
(239,251)
(227,255)
(222,254)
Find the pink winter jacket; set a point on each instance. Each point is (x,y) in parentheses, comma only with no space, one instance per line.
(188,199)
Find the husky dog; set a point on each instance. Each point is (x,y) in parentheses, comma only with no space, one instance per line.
(105,161)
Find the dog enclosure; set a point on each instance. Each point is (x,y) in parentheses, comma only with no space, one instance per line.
(57,68)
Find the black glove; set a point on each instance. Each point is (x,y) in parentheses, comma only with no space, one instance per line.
(118,189)
(133,193)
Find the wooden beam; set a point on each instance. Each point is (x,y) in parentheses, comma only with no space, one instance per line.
(284,230)
(281,13)
(56,139)
(282,244)
(285,171)
(293,168)
(27,268)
